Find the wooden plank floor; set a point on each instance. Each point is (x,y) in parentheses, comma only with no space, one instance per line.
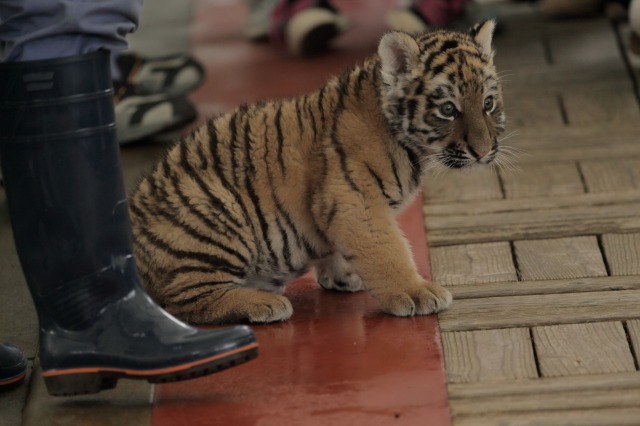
(543,258)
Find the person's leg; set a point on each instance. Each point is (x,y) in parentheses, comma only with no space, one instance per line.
(305,27)
(35,30)
(68,209)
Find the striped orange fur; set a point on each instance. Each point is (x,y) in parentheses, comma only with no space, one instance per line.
(254,198)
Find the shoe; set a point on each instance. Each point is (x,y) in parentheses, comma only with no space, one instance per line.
(70,220)
(13,366)
(140,115)
(306,27)
(174,75)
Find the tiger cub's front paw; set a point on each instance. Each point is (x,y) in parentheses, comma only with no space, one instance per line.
(267,307)
(425,299)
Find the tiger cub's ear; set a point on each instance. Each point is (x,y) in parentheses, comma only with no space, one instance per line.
(399,54)
(482,33)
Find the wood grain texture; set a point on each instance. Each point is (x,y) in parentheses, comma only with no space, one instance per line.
(606,176)
(536,403)
(518,52)
(569,285)
(472,263)
(575,349)
(538,223)
(452,185)
(488,355)
(594,134)
(626,416)
(583,201)
(543,180)
(534,80)
(559,258)
(578,152)
(547,385)
(623,253)
(633,327)
(612,103)
(533,111)
(542,309)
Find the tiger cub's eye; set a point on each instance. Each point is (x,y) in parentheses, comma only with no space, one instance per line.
(488,103)
(448,109)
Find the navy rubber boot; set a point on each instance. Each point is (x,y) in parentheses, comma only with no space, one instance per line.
(63,179)
(13,366)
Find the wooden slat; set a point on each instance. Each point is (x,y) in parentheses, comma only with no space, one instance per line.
(542,309)
(472,263)
(574,349)
(530,23)
(488,355)
(519,52)
(606,176)
(623,253)
(559,258)
(627,416)
(533,80)
(549,385)
(454,185)
(529,111)
(543,180)
(612,103)
(554,136)
(536,403)
(592,43)
(634,335)
(566,152)
(549,223)
(571,285)
(472,209)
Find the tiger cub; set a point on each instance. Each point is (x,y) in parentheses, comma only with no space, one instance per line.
(254,198)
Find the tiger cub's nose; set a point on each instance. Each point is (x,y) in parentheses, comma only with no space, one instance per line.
(479,153)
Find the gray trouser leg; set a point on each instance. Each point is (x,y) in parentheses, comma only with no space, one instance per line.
(45,29)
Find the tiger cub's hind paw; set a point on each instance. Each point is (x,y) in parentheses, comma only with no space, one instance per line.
(336,273)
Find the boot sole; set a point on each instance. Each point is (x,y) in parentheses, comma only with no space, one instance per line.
(12,382)
(83,381)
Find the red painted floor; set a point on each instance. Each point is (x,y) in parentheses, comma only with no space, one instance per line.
(339,360)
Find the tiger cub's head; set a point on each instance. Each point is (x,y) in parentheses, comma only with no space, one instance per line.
(442,96)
